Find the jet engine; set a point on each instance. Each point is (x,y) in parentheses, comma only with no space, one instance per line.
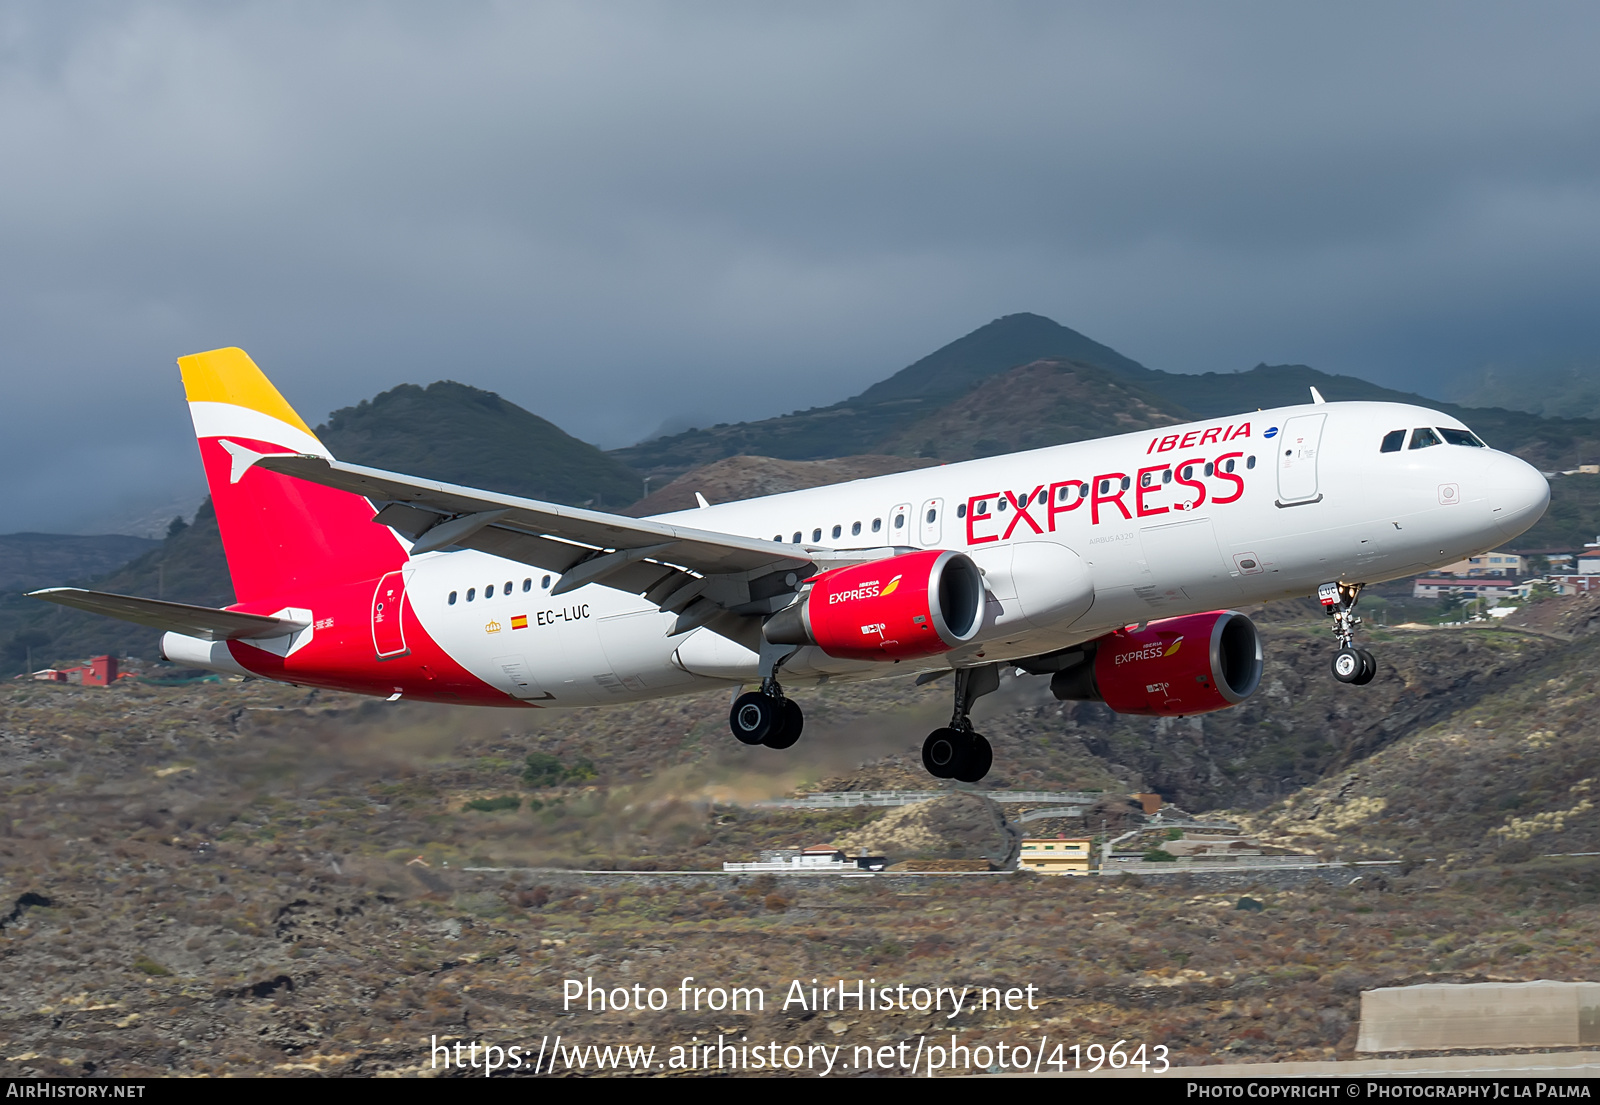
(1189,665)
(915,604)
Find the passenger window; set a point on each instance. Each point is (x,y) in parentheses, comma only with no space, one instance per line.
(452,599)
(816,534)
(508,589)
(899,521)
(1422,437)
(1083,490)
(472,593)
(855,529)
(961,510)
(527,585)
(1105,485)
(1126,482)
(545,583)
(1229,467)
(836,531)
(933,516)
(777,537)
(1000,503)
(1210,468)
(1044,496)
(1188,470)
(488,592)
(796,537)
(1061,496)
(1392,441)
(877,524)
(1166,474)
(1144,480)
(1460,437)
(1249,462)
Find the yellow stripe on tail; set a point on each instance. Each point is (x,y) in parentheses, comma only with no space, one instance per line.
(230,376)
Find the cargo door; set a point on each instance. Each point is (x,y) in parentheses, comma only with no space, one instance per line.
(513,676)
(1186,563)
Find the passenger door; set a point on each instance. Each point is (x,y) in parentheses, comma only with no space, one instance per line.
(1298,445)
(388,629)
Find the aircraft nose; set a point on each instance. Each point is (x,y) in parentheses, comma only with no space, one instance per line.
(1518,494)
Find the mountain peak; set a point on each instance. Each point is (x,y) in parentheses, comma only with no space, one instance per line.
(997,346)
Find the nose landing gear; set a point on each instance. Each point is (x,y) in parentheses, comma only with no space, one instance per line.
(956,752)
(1350,664)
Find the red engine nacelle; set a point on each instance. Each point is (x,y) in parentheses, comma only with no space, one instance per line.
(1189,665)
(916,604)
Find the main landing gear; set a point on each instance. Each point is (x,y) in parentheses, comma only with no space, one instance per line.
(1350,664)
(766,716)
(956,752)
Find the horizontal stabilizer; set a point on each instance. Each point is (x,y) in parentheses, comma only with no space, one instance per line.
(203,622)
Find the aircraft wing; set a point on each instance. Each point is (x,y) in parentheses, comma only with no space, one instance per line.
(205,622)
(697,574)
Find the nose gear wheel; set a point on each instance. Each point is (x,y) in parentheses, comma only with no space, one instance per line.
(1350,664)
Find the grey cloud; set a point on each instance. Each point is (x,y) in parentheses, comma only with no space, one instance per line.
(619,214)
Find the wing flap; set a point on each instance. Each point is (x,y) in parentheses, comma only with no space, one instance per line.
(204,622)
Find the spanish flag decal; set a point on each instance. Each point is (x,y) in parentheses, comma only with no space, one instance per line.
(519,621)
(889,590)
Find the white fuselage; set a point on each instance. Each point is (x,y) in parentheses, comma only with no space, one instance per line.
(1214,514)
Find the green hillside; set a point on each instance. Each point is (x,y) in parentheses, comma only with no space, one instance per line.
(186,567)
(459,434)
(1046,402)
(1549,443)
(881,418)
(446,431)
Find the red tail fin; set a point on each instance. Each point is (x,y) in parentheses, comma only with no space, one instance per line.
(281,535)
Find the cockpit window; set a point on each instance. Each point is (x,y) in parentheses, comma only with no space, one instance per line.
(1422,437)
(1393,441)
(1460,437)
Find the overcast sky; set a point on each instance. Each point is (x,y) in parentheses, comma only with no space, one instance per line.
(621,215)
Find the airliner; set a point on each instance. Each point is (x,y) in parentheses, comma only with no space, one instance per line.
(1111,567)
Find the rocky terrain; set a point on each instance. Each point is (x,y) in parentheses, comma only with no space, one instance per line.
(246,878)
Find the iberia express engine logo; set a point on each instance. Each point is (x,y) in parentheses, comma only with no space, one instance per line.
(1155,650)
(867,589)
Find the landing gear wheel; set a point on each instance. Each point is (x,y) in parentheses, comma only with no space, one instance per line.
(944,751)
(787,731)
(755,717)
(1349,666)
(978,760)
(1369,668)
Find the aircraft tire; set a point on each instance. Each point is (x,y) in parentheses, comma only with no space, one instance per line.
(790,723)
(754,717)
(1348,665)
(978,760)
(944,751)
(1369,668)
